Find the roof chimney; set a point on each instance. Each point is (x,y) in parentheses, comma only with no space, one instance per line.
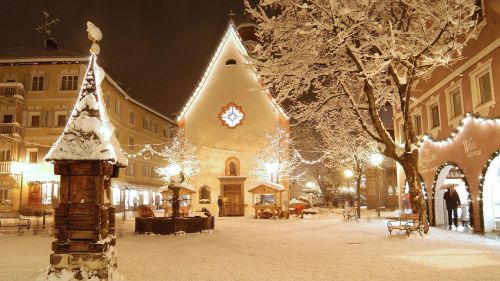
(50,44)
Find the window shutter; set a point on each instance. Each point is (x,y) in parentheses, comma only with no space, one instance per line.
(25,118)
(51,118)
(43,119)
(27,82)
(45,82)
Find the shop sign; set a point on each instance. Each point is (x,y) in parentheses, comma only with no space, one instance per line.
(470,148)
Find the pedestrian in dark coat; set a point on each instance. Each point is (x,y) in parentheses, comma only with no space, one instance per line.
(452,202)
(220,203)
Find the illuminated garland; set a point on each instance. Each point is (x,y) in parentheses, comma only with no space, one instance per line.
(481,183)
(468,117)
(467,187)
(310,162)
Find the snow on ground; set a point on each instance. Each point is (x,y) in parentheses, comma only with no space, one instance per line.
(321,247)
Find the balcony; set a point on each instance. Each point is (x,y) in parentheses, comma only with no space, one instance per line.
(12,89)
(11,129)
(5,167)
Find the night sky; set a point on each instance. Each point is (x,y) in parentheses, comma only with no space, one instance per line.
(157,50)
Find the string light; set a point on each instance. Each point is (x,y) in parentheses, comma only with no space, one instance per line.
(467,118)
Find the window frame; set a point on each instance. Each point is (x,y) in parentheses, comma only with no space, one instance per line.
(415,114)
(32,114)
(450,110)
(73,83)
(30,150)
(481,69)
(146,123)
(206,187)
(118,107)
(131,117)
(433,102)
(131,145)
(56,118)
(33,76)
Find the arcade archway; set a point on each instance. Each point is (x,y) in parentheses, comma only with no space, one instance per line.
(491,193)
(446,174)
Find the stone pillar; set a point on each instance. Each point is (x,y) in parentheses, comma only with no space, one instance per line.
(84,220)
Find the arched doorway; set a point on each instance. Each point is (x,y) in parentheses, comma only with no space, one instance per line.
(490,180)
(446,174)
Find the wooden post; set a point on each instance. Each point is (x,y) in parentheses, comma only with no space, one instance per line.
(85,219)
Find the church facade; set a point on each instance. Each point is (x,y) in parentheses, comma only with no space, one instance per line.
(227,118)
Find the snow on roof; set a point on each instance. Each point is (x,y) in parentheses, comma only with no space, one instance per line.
(231,32)
(88,134)
(274,186)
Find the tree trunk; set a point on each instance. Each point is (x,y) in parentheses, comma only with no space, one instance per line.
(358,192)
(409,161)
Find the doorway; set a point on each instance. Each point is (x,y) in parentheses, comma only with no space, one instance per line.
(491,196)
(451,175)
(233,199)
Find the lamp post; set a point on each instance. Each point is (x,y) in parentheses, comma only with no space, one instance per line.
(376,159)
(348,174)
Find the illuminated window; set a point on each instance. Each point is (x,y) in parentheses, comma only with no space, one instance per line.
(204,195)
(231,115)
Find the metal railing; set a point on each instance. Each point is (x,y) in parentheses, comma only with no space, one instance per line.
(5,167)
(13,129)
(11,89)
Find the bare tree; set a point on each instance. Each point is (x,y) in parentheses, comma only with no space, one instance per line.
(334,60)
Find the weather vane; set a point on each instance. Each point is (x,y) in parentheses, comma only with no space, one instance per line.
(45,26)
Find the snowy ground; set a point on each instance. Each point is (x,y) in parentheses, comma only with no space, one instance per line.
(321,247)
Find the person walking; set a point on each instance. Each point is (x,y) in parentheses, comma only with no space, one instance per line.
(220,203)
(452,202)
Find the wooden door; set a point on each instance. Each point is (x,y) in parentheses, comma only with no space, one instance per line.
(234,203)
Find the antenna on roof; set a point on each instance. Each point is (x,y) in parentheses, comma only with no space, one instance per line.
(50,43)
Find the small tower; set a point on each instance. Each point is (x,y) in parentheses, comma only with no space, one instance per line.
(86,156)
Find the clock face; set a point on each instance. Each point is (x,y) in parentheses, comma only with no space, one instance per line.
(231,115)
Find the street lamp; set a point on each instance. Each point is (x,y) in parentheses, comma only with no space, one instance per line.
(348,174)
(376,160)
(17,168)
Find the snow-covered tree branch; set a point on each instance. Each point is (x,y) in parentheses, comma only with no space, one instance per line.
(328,59)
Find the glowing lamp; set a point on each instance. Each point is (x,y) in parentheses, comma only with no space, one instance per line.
(348,173)
(376,159)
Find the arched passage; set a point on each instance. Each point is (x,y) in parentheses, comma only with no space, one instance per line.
(451,173)
(489,190)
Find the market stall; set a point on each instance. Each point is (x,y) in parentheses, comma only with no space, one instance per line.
(185,193)
(267,198)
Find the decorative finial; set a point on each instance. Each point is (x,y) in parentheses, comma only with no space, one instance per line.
(231,15)
(95,35)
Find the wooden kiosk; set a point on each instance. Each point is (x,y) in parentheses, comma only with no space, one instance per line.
(86,156)
(184,189)
(270,199)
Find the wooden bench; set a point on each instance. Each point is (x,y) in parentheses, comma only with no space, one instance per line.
(19,223)
(350,213)
(406,222)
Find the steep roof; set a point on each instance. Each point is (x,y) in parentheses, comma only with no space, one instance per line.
(231,32)
(38,54)
(88,134)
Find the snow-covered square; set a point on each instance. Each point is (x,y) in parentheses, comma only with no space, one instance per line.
(320,247)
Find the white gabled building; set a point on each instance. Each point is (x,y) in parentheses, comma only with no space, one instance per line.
(227,117)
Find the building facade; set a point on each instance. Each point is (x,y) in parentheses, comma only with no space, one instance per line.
(456,114)
(38,89)
(227,118)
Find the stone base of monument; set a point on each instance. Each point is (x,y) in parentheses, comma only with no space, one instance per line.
(167,226)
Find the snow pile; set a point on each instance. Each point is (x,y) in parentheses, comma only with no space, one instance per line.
(88,134)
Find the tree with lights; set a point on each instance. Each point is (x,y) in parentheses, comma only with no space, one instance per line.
(275,162)
(182,162)
(335,60)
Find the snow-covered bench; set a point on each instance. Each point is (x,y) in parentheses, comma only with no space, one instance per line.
(17,222)
(350,213)
(406,222)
